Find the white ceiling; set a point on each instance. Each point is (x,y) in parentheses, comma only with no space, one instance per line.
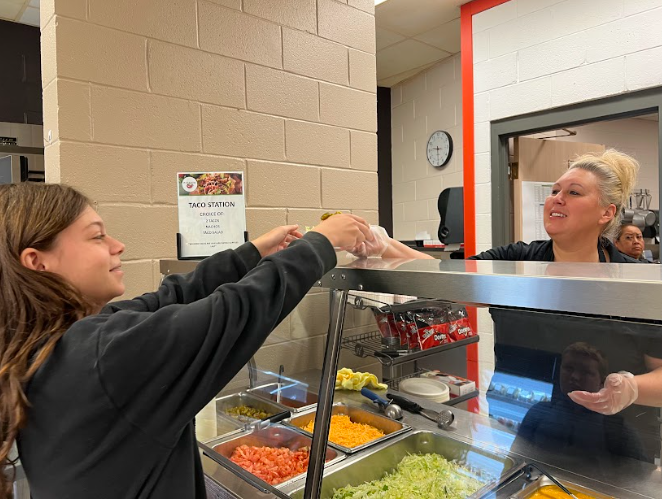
(20,11)
(413,35)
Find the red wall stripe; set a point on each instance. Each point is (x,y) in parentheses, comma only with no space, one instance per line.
(467,11)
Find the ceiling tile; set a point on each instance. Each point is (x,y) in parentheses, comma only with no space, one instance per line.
(404,56)
(445,37)
(34,3)
(410,18)
(395,79)
(386,38)
(10,9)
(30,16)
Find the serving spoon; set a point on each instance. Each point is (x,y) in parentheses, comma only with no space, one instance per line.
(390,410)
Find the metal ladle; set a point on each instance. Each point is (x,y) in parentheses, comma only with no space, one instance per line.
(390,410)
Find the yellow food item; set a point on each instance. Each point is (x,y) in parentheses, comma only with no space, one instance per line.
(553,492)
(329,214)
(346,379)
(343,431)
(244,410)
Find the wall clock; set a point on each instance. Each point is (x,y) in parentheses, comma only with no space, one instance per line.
(440,148)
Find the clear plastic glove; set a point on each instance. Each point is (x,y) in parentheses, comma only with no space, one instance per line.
(374,248)
(619,392)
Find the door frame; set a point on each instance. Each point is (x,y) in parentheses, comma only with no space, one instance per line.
(628,105)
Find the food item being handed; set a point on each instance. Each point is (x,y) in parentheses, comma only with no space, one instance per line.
(426,476)
(343,431)
(274,465)
(346,379)
(329,214)
(244,410)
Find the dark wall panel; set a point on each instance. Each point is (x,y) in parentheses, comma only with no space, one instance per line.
(384,166)
(20,74)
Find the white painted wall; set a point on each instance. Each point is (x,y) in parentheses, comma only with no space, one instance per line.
(636,137)
(531,55)
(429,101)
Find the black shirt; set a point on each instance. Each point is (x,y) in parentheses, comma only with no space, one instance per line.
(543,251)
(112,408)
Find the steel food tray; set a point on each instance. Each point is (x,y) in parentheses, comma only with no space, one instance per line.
(543,481)
(243,398)
(226,426)
(275,435)
(293,397)
(489,467)
(390,427)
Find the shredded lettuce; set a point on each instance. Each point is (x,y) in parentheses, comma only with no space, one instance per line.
(423,476)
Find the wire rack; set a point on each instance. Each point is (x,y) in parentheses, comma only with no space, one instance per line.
(394,384)
(370,345)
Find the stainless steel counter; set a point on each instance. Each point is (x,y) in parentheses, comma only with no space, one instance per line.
(586,288)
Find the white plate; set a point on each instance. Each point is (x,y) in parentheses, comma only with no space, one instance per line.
(426,388)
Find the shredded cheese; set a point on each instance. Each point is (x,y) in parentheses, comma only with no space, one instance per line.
(343,431)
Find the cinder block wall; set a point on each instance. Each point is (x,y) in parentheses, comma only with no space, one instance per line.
(429,101)
(136,90)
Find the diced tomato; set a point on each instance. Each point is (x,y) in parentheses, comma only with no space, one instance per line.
(273,465)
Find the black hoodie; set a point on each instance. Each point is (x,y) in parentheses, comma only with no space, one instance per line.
(112,408)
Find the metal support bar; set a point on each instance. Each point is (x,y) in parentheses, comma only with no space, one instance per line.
(325,403)
(252,372)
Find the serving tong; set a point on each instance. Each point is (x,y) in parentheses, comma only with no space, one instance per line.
(552,479)
(443,418)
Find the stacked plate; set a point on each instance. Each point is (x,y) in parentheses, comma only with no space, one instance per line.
(435,391)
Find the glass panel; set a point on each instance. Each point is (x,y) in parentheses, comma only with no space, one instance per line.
(537,359)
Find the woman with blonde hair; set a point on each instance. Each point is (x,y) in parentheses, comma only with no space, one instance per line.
(582,213)
(100,398)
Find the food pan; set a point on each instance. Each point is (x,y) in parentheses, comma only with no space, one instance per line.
(535,486)
(242,398)
(390,427)
(226,426)
(488,467)
(275,435)
(293,397)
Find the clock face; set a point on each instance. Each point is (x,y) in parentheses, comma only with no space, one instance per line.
(440,148)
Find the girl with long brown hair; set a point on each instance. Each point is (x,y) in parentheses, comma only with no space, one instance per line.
(100,397)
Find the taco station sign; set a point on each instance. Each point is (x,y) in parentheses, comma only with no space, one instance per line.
(212,212)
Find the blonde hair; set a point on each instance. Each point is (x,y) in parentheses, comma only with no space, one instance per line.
(617,175)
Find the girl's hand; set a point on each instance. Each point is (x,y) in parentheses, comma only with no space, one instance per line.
(345,231)
(276,239)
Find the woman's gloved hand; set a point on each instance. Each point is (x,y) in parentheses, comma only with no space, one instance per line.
(620,391)
(374,248)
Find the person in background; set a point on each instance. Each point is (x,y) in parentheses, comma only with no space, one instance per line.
(630,242)
(100,398)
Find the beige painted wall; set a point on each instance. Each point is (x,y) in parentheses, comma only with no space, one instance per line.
(429,101)
(136,90)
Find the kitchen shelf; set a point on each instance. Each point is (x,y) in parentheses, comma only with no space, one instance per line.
(370,345)
(394,384)
(462,398)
